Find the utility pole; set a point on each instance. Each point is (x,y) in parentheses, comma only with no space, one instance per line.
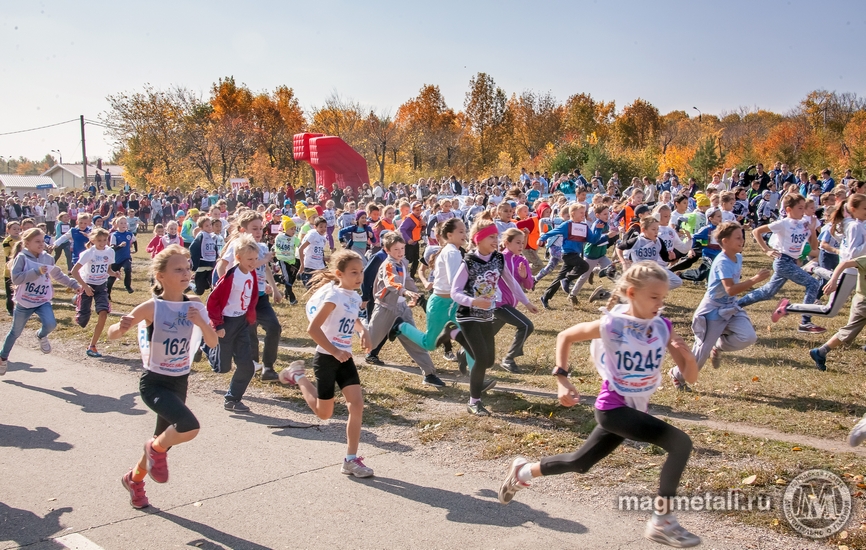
(83,153)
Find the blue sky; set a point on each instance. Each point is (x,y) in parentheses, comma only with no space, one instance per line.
(60,59)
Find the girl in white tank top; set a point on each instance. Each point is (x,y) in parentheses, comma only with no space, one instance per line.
(170,329)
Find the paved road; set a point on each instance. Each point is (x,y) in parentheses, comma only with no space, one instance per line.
(69,429)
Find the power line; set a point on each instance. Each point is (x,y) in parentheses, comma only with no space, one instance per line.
(39,128)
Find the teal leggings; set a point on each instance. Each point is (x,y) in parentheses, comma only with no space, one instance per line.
(439,311)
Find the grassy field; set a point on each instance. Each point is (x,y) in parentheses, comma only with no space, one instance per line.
(771,385)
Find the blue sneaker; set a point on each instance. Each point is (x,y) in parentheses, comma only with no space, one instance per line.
(820,360)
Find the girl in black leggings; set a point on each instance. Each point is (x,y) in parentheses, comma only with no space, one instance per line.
(169,325)
(628,347)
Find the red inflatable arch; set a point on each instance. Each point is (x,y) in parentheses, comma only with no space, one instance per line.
(332,159)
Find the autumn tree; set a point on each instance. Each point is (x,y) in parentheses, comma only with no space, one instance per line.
(537,121)
(637,125)
(485,109)
(379,131)
(585,118)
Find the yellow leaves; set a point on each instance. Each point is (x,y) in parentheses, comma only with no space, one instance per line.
(750,480)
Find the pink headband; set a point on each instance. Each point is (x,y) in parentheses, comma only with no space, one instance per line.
(484,233)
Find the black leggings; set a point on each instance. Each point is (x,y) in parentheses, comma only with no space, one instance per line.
(614,426)
(573,266)
(166,396)
(480,335)
(126,265)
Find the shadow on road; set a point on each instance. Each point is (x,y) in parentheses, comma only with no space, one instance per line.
(224,541)
(25,438)
(24,367)
(334,431)
(89,402)
(26,528)
(471,509)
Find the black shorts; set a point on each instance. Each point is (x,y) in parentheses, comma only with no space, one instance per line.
(329,371)
(166,396)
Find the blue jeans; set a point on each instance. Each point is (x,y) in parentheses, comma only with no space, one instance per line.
(784,269)
(20,315)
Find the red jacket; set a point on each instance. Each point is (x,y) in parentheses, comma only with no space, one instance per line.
(219,297)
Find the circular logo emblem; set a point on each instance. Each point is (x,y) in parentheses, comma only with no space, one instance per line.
(817,504)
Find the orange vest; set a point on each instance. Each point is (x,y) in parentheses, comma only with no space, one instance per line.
(629,214)
(386,225)
(416,232)
(531,223)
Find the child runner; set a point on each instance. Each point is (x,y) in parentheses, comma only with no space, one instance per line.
(627,340)
(169,326)
(554,245)
(333,314)
(96,264)
(330,216)
(13,236)
(311,254)
(856,318)
(155,246)
(506,306)
(719,324)
(60,229)
(595,252)
(121,242)
(203,254)
(231,307)
(648,247)
(358,236)
(395,293)
(852,246)
(78,235)
(284,251)
(574,234)
(475,289)
(171,237)
(790,235)
(32,270)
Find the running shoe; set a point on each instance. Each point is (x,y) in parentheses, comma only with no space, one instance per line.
(462,364)
(780,311)
(444,338)
(433,380)
(395,329)
(811,328)
(511,484)
(489,384)
(3,366)
(819,358)
(858,433)
(356,467)
(545,304)
(670,532)
(477,409)
(510,366)
(294,371)
(92,352)
(566,285)
(235,406)
(574,301)
(137,497)
(293,302)
(449,356)
(599,293)
(593,273)
(270,375)
(157,465)
(373,360)
(258,366)
(716,357)
(129,289)
(44,344)
(810,267)
(679,385)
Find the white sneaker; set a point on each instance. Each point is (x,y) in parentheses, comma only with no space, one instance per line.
(291,374)
(356,467)
(44,344)
(258,366)
(512,484)
(856,437)
(670,532)
(3,363)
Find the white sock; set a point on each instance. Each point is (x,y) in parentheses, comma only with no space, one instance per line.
(473,401)
(524,474)
(660,519)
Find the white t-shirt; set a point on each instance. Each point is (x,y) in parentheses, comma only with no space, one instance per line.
(240,295)
(448,262)
(340,324)
(95,264)
(728,216)
(314,254)
(208,247)
(790,236)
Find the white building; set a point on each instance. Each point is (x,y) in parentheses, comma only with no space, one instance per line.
(41,185)
(71,176)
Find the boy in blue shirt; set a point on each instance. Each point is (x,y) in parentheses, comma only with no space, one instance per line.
(121,242)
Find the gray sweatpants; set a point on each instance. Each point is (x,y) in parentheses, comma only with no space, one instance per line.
(601,263)
(733,334)
(385,312)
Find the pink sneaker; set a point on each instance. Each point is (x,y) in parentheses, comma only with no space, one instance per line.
(137,497)
(781,310)
(157,465)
